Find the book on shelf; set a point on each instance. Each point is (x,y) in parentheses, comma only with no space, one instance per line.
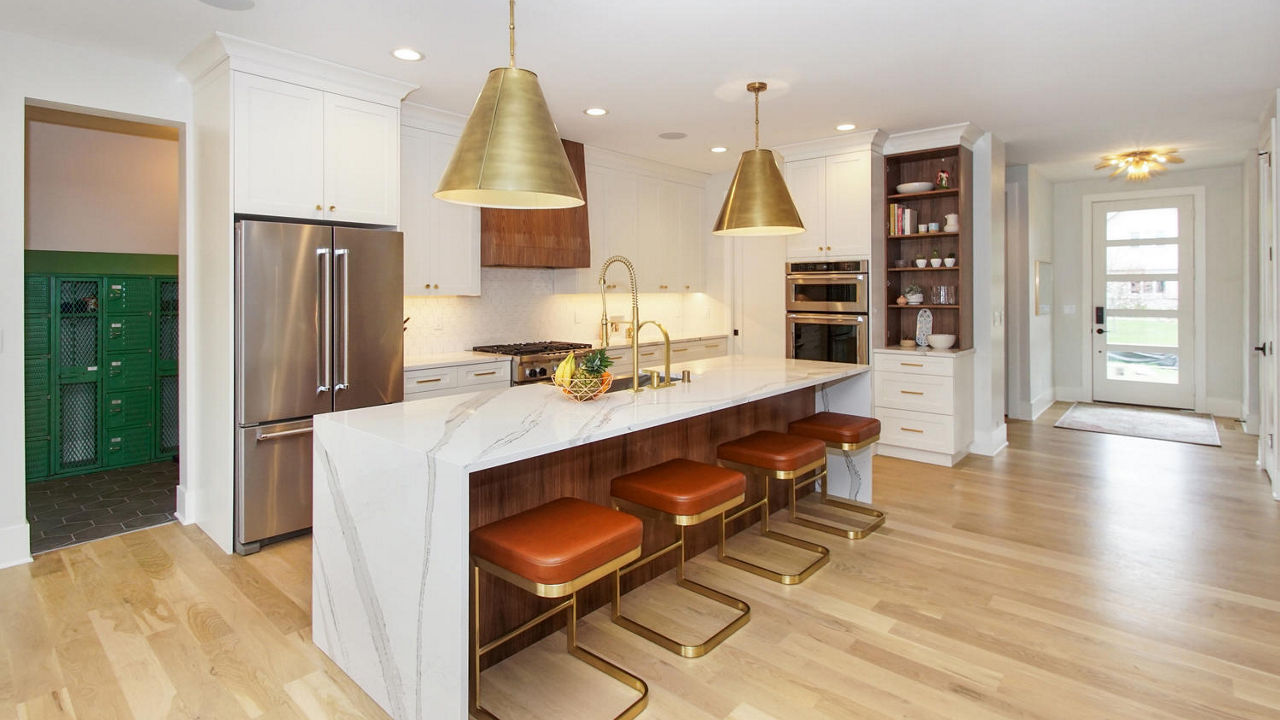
(902,220)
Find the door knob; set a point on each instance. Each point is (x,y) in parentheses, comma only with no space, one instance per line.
(1100,331)
(1261,348)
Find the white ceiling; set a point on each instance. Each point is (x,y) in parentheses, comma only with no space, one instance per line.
(1061,82)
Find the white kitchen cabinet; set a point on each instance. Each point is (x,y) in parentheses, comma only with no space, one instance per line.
(278,135)
(429,382)
(361,161)
(833,196)
(441,240)
(924,401)
(305,153)
(653,220)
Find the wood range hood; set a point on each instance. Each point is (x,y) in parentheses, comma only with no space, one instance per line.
(540,238)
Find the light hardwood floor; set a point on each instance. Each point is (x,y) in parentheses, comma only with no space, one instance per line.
(1077,575)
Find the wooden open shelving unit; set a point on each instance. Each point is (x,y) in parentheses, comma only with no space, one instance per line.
(931,206)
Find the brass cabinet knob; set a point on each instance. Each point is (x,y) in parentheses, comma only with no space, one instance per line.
(686,287)
(319,207)
(436,286)
(427,286)
(828,247)
(332,208)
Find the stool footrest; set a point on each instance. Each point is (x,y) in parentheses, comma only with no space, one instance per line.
(785,578)
(671,644)
(852,533)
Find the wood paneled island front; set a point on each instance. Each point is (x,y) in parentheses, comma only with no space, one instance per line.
(399,487)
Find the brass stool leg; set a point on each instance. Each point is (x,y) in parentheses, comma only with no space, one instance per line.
(823,553)
(853,506)
(664,641)
(571,632)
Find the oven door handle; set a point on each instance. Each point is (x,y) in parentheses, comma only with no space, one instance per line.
(816,279)
(830,319)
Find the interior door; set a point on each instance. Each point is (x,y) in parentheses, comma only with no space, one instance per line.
(282,321)
(1143,284)
(1267,316)
(368,315)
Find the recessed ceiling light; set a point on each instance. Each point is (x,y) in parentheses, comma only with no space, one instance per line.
(407,54)
(719,149)
(596,111)
(229,4)
(673,135)
(845,127)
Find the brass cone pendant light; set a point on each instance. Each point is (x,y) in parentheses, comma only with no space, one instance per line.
(509,155)
(758,202)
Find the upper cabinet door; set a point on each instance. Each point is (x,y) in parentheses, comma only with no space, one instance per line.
(415,214)
(807,181)
(361,161)
(278,138)
(692,239)
(849,205)
(454,229)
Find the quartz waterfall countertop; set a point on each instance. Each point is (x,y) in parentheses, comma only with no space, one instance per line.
(495,427)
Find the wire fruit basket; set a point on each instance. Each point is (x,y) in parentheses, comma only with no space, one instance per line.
(583,389)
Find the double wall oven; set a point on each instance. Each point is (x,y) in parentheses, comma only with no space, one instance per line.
(827,311)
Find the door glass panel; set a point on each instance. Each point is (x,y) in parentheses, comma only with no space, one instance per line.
(1142,224)
(1153,331)
(842,292)
(820,341)
(1142,295)
(1142,260)
(1143,367)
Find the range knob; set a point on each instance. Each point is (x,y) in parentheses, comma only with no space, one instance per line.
(531,372)
(542,372)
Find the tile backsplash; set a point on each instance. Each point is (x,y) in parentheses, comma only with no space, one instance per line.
(520,305)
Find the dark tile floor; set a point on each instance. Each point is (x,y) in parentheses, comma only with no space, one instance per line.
(77,509)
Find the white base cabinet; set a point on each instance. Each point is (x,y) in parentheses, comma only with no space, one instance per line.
(453,379)
(441,240)
(924,402)
(651,355)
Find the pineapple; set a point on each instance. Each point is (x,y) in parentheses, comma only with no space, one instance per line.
(593,365)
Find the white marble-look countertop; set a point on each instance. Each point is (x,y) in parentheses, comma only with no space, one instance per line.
(437,360)
(391,512)
(916,351)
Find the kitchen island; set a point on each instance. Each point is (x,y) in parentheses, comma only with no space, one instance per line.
(399,487)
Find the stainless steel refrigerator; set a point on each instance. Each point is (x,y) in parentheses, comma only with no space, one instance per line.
(319,328)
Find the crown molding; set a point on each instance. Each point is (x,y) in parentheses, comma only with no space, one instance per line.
(862,141)
(425,117)
(256,58)
(652,168)
(963,134)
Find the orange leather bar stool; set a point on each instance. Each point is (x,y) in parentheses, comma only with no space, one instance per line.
(846,434)
(552,551)
(769,455)
(683,493)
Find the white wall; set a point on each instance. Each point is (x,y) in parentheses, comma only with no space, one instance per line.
(1225,302)
(519,304)
(81,78)
(1029,337)
(989,433)
(99,191)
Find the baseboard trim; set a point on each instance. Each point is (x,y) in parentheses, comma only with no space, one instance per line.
(990,443)
(185,515)
(15,545)
(1224,407)
(1071,394)
(1042,403)
(923,456)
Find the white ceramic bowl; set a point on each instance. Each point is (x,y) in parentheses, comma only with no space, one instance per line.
(941,341)
(915,187)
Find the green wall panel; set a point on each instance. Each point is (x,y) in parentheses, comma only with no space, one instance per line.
(55,262)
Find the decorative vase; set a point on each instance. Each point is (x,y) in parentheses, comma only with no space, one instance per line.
(935,262)
(915,299)
(920,262)
(953,223)
(902,300)
(949,262)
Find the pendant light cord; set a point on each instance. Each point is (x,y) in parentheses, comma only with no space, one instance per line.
(511,27)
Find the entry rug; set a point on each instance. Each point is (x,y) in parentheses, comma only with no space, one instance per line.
(1142,422)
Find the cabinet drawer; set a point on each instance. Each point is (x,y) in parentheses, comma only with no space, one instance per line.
(128,408)
(431,379)
(926,393)
(922,365)
(128,332)
(130,370)
(487,373)
(128,447)
(922,431)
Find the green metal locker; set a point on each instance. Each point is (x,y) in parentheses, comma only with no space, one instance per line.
(38,374)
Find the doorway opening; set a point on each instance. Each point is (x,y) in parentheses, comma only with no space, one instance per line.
(101,325)
(1145,335)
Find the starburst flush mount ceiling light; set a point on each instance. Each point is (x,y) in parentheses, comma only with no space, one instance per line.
(1139,165)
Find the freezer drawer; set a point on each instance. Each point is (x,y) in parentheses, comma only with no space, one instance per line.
(273,481)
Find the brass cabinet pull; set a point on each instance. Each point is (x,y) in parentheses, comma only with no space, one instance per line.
(910,392)
(711,347)
(662,287)
(907,429)
(491,372)
(648,354)
(428,380)
(906,364)
(676,350)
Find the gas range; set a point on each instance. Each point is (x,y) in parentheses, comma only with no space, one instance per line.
(533,362)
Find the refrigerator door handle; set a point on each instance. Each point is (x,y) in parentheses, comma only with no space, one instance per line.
(344,254)
(260,436)
(324,370)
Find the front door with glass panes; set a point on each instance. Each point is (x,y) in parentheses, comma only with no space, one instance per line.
(1143,332)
